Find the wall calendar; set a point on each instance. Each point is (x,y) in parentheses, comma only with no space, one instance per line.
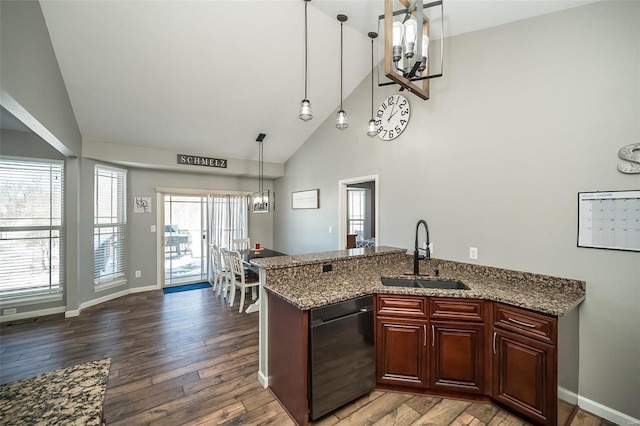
(609,220)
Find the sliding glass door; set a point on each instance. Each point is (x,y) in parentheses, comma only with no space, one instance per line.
(185,239)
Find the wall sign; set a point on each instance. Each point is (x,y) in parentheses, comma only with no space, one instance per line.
(196,160)
(142,205)
(630,153)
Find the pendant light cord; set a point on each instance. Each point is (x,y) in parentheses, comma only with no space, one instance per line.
(341,55)
(261,169)
(372,78)
(306,48)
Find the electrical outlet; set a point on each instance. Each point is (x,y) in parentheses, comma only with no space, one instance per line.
(473,253)
(330,229)
(9,311)
(431,249)
(153,228)
(138,274)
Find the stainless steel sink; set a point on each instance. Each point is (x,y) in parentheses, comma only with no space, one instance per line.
(424,283)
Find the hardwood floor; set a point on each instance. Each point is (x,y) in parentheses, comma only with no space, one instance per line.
(187,358)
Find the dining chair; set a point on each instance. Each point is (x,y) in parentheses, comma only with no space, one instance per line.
(218,271)
(225,274)
(241,243)
(239,278)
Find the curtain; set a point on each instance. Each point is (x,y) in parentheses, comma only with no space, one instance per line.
(229,218)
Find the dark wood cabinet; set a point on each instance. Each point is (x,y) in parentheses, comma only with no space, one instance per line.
(402,352)
(525,363)
(402,341)
(469,347)
(457,356)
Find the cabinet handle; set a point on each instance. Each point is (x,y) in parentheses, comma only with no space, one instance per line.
(524,324)
(433,335)
(494,342)
(424,326)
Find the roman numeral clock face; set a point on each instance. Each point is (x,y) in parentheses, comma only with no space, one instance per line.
(392,117)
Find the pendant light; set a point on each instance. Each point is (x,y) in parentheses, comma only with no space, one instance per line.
(371,129)
(341,117)
(305,106)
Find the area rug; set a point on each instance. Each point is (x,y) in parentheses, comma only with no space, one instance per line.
(186,287)
(69,396)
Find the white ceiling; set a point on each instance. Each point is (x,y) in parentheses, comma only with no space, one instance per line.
(208,76)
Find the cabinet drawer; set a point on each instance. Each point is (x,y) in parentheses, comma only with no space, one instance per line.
(526,323)
(401,306)
(457,309)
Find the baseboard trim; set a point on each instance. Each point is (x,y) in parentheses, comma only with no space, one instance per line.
(31,314)
(606,412)
(108,297)
(264,381)
(567,395)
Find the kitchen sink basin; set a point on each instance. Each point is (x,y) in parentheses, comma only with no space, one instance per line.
(423,283)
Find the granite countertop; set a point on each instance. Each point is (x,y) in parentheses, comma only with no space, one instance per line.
(280,262)
(541,293)
(69,396)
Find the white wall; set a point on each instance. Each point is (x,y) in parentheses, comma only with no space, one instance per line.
(527,115)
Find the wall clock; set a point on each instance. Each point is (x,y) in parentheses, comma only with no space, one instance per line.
(392,117)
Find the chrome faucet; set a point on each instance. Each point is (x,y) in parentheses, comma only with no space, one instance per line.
(427,252)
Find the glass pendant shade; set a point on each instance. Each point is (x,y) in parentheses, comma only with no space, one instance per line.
(398,32)
(305,110)
(425,46)
(410,31)
(371,129)
(341,120)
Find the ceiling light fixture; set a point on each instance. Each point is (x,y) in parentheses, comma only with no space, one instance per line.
(408,25)
(261,198)
(371,129)
(341,117)
(305,106)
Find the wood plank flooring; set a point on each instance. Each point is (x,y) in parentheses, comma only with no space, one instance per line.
(187,358)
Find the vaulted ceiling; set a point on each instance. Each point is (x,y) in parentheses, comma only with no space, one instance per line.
(208,76)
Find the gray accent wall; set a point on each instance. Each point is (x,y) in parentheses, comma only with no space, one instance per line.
(32,87)
(527,115)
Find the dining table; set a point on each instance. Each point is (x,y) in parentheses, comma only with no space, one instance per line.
(247,256)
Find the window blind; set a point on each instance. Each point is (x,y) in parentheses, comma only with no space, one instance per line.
(31,227)
(109,220)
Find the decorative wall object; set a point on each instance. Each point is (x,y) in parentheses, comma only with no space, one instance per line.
(305,199)
(196,160)
(142,204)
(630,153)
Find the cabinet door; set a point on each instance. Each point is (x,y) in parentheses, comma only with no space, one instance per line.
(523,375)
(457,356)
(402,350)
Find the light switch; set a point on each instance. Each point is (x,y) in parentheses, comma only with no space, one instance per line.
(153,228)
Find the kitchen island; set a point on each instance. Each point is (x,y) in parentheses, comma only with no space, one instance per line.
(507,322)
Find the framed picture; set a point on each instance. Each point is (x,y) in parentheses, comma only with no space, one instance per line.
(260,201)
(305,199)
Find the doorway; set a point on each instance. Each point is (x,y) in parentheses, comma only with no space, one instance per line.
(185,228)
(358,207)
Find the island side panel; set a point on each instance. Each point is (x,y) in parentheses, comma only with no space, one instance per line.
(288,357)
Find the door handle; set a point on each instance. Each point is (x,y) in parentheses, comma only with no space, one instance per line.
(433,335)
(494,342)
(524,324)
(424,326)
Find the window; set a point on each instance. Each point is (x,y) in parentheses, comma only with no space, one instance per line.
(356,212)
(109,225)
(31,231)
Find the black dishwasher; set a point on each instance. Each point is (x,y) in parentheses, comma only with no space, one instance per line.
(341,354)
